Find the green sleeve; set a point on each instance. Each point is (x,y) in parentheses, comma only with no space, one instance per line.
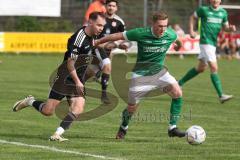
(199,12)
(132,35)
(225,18)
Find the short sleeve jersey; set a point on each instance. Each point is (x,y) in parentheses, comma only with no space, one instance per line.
(113,25)
(212,21)
(80,48)
(151,49)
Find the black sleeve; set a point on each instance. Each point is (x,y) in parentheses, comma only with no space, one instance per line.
(121,28)
(72,52)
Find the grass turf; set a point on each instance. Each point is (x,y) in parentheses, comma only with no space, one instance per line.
(147,138)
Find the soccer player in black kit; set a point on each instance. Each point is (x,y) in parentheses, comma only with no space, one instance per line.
(114,24)
(70,78)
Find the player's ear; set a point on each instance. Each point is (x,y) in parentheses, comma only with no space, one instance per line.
(90,22)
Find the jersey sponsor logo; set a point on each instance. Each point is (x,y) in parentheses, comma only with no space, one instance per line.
(154,49)
(87,47)
(220,14)
(164,41)
(114,24)
(214,20)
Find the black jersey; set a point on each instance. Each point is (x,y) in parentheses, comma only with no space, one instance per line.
(79,48)
(79,44)
(113,25)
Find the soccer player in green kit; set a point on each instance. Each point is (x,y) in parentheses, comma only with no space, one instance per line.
(149,72)
(213,18)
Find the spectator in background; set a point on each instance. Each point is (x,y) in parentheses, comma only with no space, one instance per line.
(95,6)
(222,44)
(232,45)
(238,48)
(180,33)
(178,30)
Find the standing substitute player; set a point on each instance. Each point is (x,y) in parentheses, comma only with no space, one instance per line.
(114,24)
(149,72)
(70,78)
(213,18)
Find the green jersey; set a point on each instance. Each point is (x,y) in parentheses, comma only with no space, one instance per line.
(212,21)
(151,49)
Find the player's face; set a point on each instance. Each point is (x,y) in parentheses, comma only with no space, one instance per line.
(97,26)
(111,8)
(159,27)
(215,3)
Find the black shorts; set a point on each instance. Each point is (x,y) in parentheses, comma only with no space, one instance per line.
(63,86)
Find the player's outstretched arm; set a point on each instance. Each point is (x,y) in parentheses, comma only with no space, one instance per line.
(73,74)
(192,22)
(111,37)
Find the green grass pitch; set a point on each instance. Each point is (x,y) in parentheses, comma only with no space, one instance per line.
(21,75)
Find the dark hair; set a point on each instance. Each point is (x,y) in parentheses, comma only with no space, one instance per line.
(159,16)
(109,1)
(94,15)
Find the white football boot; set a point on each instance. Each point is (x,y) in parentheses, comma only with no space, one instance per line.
(225,98)
(22,103)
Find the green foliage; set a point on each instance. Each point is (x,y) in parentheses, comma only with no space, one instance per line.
(27,24)
(33,24)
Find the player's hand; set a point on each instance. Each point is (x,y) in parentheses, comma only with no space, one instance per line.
(124,47)
(95,43)
(193,34)
(176,47)
(232,28)
(80,88)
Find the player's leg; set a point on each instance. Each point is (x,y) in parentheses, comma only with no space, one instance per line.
(77,107)
(212,62)
(217,82)
(106,71)
(193,72)
(46,108)
(169,85)
(126,117)
(105,65)
(138,88)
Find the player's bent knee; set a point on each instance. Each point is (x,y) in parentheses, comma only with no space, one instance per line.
(106,69)
(214,69)
(48,112)
(106,66)
(201,69)
(177,92)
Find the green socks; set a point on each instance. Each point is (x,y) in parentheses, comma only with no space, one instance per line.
(217,83)
(126,116)
(189,75)
(175,110)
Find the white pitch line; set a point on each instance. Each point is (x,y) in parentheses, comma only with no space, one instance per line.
(58,150)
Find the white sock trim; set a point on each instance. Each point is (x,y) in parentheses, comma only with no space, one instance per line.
(170,127)
(125,128)
(30,102)
(59,131)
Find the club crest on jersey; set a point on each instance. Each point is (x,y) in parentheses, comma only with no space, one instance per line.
(220,14)
(114,24)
